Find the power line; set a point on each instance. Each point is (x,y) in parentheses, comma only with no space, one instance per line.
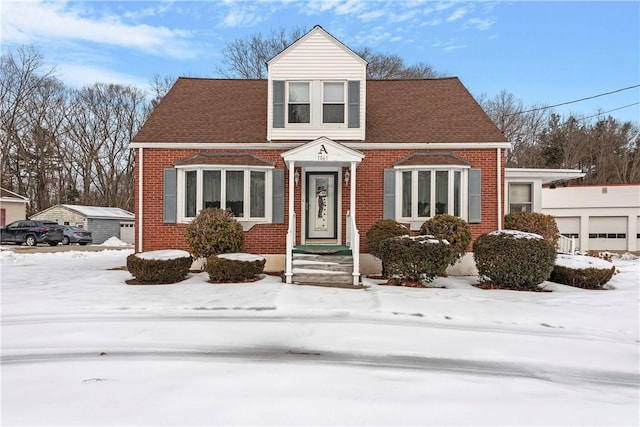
(577,100)
(609,111)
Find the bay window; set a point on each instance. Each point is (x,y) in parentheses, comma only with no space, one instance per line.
(241,190)
(426,192)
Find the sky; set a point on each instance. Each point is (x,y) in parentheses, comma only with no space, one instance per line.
(80,347)
(542,52)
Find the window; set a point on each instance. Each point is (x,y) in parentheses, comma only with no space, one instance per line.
(520,197)
(428,192)
(333,102)
(298,102)
(243,191)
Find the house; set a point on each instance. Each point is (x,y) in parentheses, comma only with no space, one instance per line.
(13,207)
(314,155)
(103,222)
(596,217)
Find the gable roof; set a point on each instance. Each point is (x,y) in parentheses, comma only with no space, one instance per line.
(10,196)
(225,110)
(101,212)
(317,29)
(94,212)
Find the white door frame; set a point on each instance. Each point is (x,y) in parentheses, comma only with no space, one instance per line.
(303,204)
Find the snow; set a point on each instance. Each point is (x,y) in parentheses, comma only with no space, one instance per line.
(516,234)
(81,347)
(163,255)
(241,257)
(102,212)
(113,241)
(582,262)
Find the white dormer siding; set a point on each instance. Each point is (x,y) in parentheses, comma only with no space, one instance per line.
(316,65)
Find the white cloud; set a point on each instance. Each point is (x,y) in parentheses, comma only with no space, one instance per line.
(458,14)
(34,22)
(481,24)
(78,75)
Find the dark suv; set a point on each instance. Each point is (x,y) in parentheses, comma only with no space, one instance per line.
(32,232)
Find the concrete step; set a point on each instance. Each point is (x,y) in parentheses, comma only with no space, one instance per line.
(322,269)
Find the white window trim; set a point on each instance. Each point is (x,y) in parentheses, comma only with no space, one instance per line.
(180,193)
(287,103)
(414,219)
(532,191)
(345,106)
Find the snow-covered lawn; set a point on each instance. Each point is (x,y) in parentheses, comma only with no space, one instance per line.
(81,347)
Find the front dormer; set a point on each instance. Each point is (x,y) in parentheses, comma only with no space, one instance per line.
(316,88)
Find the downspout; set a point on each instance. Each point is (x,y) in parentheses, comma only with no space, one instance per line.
(140,227)
(499,188)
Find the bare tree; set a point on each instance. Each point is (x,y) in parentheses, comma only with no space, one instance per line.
(392,67)
(519,125)
(159,87)
(101,122)
(246,58)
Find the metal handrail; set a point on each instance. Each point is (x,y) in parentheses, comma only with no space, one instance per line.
(291,241)
(353,241)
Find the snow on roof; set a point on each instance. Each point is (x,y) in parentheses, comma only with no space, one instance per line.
(101,212)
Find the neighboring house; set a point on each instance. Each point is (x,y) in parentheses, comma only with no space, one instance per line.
(597,217)
(13,207)
(103,222)
(315,154)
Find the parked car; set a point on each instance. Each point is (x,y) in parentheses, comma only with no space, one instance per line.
(78,235)
(32,232)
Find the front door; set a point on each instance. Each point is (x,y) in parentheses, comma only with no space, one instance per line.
(322,205)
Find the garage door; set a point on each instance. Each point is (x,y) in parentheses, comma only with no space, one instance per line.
(608,233)
(570,227)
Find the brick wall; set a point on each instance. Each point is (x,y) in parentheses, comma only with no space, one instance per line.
(270,238)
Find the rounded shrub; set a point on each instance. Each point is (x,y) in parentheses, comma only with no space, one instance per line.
(514,259)
(533,222)
(582,271)
(234,267)
(214,231)
(379,231)
(415,259)
(159,267)
(451,228)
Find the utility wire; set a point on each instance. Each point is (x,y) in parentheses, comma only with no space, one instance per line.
(609,111)
(577,100)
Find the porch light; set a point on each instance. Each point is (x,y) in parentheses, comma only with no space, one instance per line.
(347,176)
(296,177)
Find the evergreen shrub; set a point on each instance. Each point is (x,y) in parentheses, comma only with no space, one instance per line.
(214,231)
(415,259)
(379,231)
(514,259)
(534,222)
(588,273)
(152,268)
(451,228)
(225,268)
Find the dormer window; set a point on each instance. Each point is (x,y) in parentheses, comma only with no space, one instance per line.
(333,102)
(298,102)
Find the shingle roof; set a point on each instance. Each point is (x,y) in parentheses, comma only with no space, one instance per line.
(425,159)
(222,110)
